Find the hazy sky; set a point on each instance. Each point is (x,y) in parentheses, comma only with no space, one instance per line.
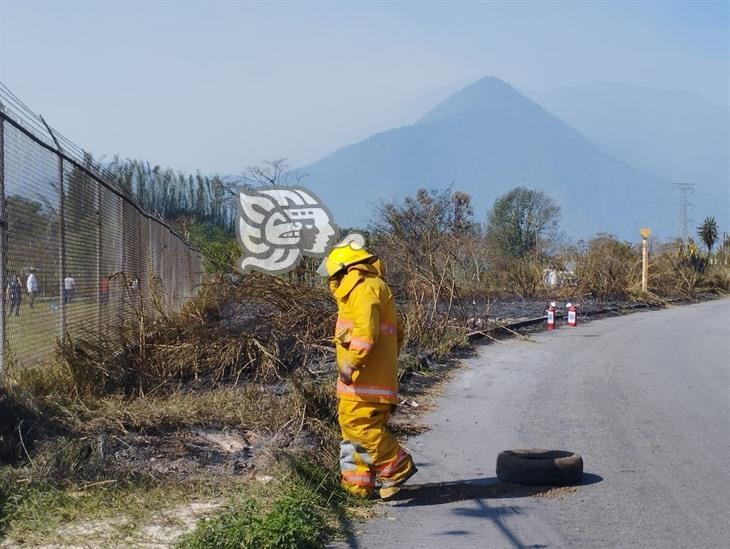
(218,86)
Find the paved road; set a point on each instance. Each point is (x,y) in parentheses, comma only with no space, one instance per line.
(644,398)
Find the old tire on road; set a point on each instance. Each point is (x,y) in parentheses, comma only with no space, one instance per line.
(538,467)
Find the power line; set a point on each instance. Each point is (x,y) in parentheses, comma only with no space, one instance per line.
(686,207)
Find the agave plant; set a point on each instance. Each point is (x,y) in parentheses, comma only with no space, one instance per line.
(708,233)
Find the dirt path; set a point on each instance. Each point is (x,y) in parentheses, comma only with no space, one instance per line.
(160,532)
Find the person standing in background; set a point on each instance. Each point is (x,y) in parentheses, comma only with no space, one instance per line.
(31,285)
(69,286)
(14,291)
(104,290)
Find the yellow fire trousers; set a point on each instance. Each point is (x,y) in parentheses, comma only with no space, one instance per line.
(368,452)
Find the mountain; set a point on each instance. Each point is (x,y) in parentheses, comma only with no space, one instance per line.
(484,140)
(413,110)
(675,134)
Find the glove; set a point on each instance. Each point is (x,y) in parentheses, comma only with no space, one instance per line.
(346,371)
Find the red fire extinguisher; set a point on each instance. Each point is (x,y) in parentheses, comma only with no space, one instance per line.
(572,315)
(551,316)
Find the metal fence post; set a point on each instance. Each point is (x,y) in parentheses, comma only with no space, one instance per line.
(3,223)
(174,277)
(149,267)
(152,285)
(61,232)
(122,259)
(62,247)
(164,262)
(97,293)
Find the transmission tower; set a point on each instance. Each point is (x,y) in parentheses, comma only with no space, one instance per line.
(685,208)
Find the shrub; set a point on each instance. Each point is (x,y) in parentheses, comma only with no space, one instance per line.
(523,276)
(608,269)
(680,269)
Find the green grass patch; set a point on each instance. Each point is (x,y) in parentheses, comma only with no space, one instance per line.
(33,333)
(303,508)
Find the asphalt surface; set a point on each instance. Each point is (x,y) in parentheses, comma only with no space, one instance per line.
(645,398)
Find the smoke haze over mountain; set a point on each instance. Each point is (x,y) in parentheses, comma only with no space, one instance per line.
(488,138)
(675,134)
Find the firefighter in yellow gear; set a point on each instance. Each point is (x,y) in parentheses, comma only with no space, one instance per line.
(368,340)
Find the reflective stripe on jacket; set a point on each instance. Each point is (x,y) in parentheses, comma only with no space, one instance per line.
(367,336)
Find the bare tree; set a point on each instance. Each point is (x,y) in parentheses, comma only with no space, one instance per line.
(433,251)
(269,173)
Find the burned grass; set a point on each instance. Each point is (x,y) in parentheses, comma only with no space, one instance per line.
(257,329)
(131,458)
(210,396)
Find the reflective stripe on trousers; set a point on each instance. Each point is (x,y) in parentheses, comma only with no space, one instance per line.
(391,467)
(349,453)
(356,478)
(365,391)
(368,449)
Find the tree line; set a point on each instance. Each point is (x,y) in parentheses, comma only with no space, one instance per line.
(175,196)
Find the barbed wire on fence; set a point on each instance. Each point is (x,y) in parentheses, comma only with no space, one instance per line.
(77,252)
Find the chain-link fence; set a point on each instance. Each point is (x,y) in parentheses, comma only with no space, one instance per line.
(77,255)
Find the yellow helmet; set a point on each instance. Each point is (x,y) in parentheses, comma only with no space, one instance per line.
(348,252)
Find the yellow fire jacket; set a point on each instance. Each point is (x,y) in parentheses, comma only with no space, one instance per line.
(367,336)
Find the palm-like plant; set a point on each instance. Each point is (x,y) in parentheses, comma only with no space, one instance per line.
(708,232)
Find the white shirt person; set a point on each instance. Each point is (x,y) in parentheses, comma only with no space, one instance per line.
(31,285)
(69,286)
